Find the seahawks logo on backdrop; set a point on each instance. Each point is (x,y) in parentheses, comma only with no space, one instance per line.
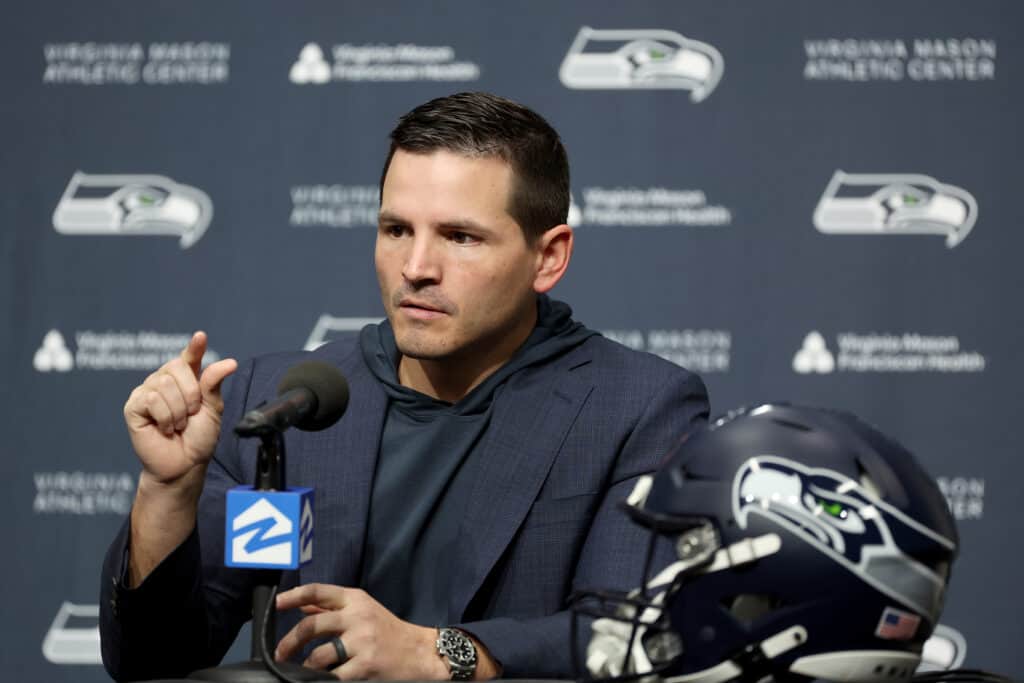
(895,204)
(74,635)
(641,59)
(132,204)
(844,519)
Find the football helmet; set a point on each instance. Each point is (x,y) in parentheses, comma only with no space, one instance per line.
(787,543)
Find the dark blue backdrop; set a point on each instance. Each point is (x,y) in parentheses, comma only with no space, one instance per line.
(800,200)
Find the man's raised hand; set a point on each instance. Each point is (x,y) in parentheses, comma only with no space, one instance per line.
(174,416)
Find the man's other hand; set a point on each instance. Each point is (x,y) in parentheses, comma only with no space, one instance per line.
(378,644)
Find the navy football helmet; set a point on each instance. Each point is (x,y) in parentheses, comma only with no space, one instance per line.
(800,543)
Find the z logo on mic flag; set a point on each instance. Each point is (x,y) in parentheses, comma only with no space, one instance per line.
(269,529)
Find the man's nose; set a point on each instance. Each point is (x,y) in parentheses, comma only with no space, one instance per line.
(422,263)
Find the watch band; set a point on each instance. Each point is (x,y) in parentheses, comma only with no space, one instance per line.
(458,650)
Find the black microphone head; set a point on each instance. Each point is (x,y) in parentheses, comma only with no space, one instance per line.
(327,384)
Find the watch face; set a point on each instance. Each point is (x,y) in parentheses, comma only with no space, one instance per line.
(458,647)
(464,653)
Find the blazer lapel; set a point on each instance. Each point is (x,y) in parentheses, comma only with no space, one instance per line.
(339,463)
(526,433)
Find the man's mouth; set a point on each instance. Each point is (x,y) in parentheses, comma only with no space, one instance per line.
(409,303)
(419,309)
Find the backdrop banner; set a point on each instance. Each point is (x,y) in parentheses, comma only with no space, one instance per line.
(803,201)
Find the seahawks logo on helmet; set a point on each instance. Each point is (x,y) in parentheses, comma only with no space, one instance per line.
(844,519)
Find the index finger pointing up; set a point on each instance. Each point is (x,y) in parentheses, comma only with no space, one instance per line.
(193,353)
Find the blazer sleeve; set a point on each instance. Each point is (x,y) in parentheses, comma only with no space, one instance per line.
(614,551)
(180,618)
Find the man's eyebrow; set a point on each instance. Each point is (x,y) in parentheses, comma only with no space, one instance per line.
(386,216)
(389,217)
(465,224)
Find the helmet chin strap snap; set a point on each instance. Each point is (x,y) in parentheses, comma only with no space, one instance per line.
(751,659)
(641,489)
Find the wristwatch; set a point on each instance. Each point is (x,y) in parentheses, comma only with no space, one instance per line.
(459,651)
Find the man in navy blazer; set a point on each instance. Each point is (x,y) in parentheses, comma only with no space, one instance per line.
(473,483)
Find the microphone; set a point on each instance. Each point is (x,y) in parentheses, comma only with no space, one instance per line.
(269,526)
(311,396)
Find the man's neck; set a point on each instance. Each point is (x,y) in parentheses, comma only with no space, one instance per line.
(451,379)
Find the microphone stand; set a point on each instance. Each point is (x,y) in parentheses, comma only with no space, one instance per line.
(269,477)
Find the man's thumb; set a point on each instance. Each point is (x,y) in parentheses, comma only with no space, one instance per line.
(214,374)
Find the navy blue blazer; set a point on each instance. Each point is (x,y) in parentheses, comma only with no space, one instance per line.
(565,444)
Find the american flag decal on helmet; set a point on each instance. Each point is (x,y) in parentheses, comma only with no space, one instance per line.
(897,625)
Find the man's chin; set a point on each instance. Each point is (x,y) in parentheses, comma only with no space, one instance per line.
(422,349)
(418,354)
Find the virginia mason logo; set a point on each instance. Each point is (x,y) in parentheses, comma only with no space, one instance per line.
(53,354)
(700,350)
(965,495)
(641,59)
(639,207)
(814,356)
(132,204)
(381,63)
(129,64)
(111,350)
(895,204)
(311,67)
(921,59)
(83,494)
(872,352)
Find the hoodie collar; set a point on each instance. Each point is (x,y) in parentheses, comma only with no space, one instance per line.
(555,333)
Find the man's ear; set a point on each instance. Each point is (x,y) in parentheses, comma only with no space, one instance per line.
(554,249)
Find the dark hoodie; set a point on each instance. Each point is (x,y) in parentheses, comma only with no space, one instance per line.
(429,452)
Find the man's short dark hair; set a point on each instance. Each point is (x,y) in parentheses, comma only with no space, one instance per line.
(477,124)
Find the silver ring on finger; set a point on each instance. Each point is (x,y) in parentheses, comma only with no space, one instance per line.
(339,647)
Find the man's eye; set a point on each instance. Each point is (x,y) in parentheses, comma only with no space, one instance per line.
(395,230)
(462,238)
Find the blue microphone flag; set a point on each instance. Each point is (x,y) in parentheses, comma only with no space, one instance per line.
(268,529)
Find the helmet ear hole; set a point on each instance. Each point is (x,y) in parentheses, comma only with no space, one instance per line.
(791,424)
(749,607)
